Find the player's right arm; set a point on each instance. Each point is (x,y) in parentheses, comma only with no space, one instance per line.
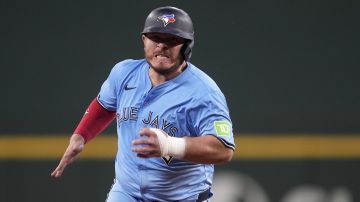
(94,121)
(74,148)
(100,113)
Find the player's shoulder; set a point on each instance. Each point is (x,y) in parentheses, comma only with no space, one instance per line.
(128,65)
(203,81)
(205,90)
(125,68)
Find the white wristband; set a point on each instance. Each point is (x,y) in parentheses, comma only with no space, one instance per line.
(170,146)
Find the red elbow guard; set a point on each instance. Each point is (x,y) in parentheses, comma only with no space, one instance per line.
(94,121)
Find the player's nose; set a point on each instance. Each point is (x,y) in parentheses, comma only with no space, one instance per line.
(162,45)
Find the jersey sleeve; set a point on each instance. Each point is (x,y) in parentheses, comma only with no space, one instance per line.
(211,117)
(107,96)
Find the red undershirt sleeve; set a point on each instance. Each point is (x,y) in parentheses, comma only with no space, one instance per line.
(94,121)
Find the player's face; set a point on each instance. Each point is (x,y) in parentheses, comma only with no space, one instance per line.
(163,52)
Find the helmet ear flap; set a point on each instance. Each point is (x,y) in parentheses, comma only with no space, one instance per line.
(186,50)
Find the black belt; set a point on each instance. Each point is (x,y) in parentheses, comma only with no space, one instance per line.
(204,195)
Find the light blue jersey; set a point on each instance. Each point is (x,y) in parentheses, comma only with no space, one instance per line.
(190,104)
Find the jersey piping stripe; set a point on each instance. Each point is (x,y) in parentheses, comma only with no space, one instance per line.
(231,146)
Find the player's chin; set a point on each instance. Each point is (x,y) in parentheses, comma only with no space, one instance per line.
(162,63)
(162,67)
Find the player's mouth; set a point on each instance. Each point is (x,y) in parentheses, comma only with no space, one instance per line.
(161,56)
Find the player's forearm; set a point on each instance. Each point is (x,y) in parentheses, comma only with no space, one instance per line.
(77,138)
(74,148)
(94,121)
(207,150)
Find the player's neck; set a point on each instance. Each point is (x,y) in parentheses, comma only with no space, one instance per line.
(157,77)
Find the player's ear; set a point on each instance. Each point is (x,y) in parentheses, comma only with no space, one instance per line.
(143,37)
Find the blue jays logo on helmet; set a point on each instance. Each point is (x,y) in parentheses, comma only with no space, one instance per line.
(166,19)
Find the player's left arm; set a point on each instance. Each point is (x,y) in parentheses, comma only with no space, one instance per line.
(206,149)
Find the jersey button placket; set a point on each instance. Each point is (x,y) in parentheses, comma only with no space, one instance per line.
(147,99)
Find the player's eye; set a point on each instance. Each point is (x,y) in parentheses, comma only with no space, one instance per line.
(175,41)
(153,38)
(170,41)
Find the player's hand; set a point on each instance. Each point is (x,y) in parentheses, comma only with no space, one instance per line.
(148,145)
(75,146)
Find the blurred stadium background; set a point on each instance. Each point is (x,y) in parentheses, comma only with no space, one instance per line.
(289,70)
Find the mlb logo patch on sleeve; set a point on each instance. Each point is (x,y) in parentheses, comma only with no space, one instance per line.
(222,128)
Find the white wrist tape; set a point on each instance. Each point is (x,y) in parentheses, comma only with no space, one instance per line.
(170,146)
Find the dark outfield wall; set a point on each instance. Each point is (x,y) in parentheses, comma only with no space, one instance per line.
(284,66)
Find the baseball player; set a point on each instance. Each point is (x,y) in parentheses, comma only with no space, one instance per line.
(173,122)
